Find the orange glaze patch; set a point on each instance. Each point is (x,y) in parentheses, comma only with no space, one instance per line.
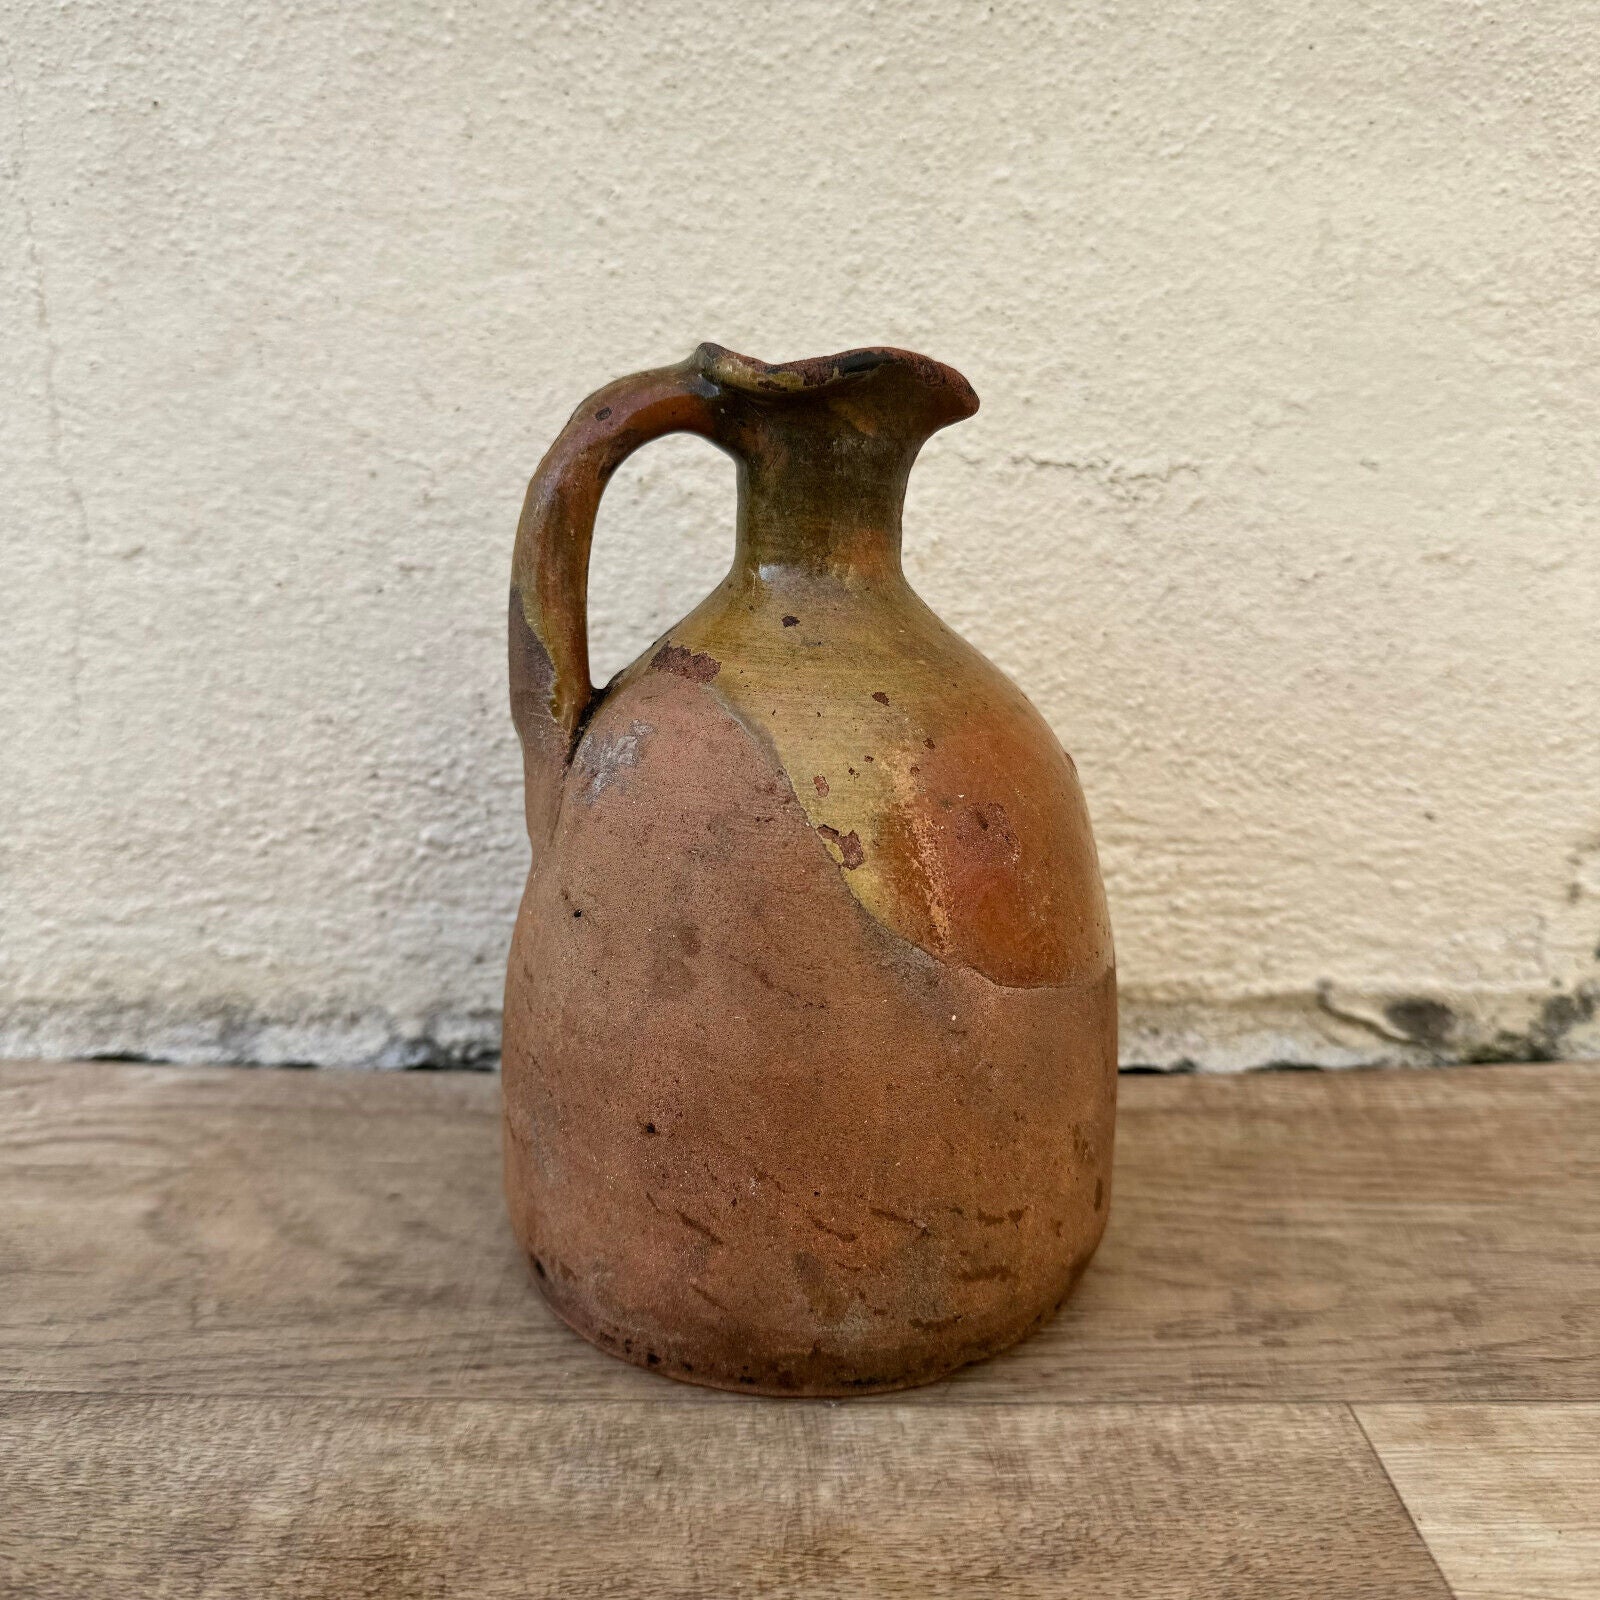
(986,854)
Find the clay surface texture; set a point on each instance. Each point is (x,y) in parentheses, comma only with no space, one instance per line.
(810,1020)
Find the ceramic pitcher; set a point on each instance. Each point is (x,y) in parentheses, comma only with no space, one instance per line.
(810,1021)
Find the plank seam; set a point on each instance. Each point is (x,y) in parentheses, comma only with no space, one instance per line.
(1394,1489)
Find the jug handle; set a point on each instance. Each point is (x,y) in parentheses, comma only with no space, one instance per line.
(550,567)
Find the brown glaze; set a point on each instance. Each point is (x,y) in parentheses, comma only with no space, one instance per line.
(810,1026)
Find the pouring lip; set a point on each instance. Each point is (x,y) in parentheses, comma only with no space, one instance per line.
(782,379)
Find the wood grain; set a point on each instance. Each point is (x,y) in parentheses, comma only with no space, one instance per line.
(311,1498)
(1507,1497)
(1398,1236)
(1355,1236)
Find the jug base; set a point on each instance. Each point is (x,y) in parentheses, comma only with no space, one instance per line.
(827,1379)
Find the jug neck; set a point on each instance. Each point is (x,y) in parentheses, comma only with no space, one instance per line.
(824,450)
(822,508)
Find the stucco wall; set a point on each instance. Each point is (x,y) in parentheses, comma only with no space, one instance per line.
(1283,502)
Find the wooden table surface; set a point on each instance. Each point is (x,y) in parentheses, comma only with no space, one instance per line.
(266,1333)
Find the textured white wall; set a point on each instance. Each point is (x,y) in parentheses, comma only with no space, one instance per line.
(1282,503)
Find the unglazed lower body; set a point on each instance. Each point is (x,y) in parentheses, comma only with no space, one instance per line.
(753,1139)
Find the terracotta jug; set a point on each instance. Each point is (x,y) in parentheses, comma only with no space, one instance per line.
(810,1023)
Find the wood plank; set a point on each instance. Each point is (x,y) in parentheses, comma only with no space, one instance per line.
(223,1498)
(1507,1497)
(1382,1235)
(1300,1236)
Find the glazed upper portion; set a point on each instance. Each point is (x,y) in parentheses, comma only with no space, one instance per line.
(944,798)
(823,449)
(936,789)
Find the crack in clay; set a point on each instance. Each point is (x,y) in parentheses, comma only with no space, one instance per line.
(710,1299)
(698,1227)
(836,1233)
(894,1216)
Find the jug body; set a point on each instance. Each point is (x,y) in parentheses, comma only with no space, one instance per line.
(810,1026)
